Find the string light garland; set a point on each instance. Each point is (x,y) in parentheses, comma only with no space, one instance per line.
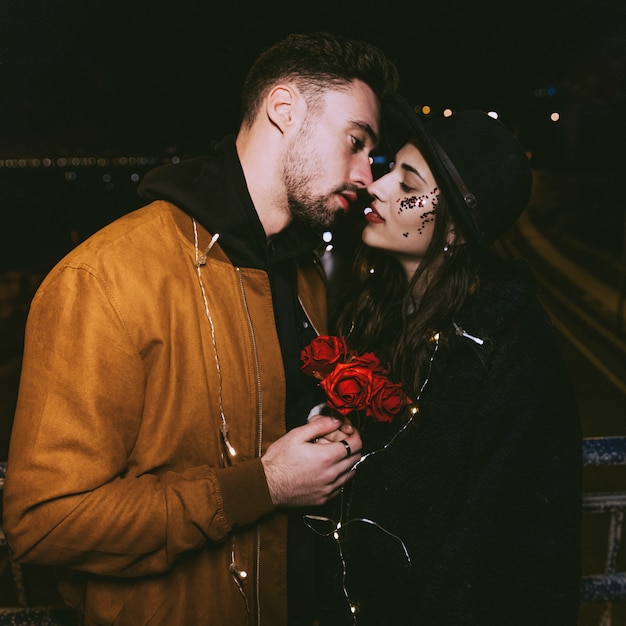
(337,526)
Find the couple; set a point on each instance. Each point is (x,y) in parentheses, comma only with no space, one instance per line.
(161,452)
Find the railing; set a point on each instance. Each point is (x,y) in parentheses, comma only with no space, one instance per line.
(609,585)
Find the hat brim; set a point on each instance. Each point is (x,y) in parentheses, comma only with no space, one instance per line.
(401,125)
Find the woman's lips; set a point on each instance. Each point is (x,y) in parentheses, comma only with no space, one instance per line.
(372,216)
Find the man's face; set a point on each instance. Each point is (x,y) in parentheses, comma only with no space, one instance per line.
(329,159)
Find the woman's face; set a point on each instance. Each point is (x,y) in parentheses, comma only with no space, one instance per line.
(401,216)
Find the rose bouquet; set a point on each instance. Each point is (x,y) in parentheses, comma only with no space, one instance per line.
(352,381)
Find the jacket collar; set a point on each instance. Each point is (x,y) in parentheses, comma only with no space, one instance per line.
(213,190)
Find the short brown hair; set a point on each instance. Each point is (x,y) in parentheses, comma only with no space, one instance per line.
(316,62)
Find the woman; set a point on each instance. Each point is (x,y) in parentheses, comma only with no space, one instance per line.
(465,508)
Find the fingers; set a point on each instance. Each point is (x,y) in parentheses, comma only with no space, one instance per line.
(326,438)
(337,435)
(316,413)
(324,429)
(345,428)
(338,484)
(347,447)
(300,472)
(320,426)
(352,445)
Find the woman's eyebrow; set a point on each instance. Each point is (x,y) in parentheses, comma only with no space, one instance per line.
(409,168)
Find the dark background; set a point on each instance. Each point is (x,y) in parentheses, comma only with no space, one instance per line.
(153,80)
(145,76)
(138,83)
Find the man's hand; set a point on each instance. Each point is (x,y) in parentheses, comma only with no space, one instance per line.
(345,428)
(301,472)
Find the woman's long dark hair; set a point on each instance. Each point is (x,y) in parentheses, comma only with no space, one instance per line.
(387,314)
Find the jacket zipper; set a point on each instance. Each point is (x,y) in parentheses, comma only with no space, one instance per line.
(259,442)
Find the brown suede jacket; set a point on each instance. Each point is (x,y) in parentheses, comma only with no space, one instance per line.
(117,468)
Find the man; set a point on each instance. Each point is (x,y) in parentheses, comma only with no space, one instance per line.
(160,436)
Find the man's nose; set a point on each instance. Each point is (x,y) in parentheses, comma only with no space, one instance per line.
(362,172)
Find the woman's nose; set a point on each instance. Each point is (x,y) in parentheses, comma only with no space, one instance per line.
(373,189)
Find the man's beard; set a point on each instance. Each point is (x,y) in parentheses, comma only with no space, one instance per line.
(300,171)
(310,210)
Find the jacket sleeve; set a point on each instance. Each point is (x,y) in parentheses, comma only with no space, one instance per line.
(73,497)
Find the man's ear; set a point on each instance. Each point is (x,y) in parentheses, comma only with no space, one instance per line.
(284,106)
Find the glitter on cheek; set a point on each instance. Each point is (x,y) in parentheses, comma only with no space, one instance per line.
(408,203)
(412,202)
(429,216)
(435,193)
(426,217)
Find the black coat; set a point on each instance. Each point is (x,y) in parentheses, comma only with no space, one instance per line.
(483,490)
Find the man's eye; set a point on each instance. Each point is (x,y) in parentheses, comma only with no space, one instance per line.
(357,144)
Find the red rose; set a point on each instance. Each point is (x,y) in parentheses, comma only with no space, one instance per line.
(370,361)
(386,400)
(353,382)
(348,387)
(322,354)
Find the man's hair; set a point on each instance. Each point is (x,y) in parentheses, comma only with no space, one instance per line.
(316,62)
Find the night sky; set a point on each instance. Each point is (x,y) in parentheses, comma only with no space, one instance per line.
(112,76)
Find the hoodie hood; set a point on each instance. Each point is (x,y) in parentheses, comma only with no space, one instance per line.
(213,190)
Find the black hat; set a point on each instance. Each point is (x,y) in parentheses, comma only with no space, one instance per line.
(478,164)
